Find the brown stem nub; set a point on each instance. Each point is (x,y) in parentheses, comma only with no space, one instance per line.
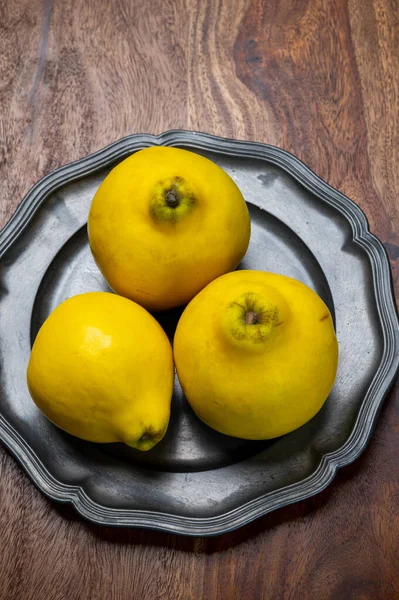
(172,199)
(251,318)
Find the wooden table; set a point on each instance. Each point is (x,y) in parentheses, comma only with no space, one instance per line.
(318,78)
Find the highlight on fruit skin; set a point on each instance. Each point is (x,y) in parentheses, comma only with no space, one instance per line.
(101,369)
(164,223)
(256,354)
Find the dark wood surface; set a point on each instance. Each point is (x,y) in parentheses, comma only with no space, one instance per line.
(318,78)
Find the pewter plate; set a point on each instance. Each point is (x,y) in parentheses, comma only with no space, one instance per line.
(198,482)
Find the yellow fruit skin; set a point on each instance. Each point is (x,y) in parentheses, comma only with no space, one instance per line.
(256,381)
(158,256)
(101,368)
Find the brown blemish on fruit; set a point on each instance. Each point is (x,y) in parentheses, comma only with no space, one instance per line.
(240,305)
(255,318)
(268,315)
(324,317)
(251,318)
(145,293)
(238,333)
(172,198)
(152,434)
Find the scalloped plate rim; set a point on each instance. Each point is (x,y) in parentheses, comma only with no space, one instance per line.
(372,403)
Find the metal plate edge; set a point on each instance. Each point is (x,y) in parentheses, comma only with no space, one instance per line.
(372,403)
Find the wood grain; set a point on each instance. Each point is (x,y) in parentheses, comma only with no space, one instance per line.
(319,78)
